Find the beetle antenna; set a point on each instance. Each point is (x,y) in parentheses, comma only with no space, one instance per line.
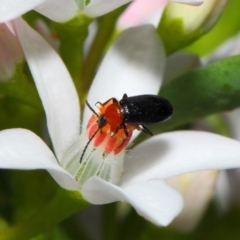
(91,108)
(91,138)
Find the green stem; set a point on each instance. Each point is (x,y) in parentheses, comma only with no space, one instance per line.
(72,35)
(106,26)
(132,226)
(63,205)
(109,223)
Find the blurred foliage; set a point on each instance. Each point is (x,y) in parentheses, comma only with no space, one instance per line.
(15,115)
(212,226)
(21,89)
(72,36)
(61,206)
(56,234)
(218,124)
(26,200)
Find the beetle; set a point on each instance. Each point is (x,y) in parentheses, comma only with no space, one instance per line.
(138,110)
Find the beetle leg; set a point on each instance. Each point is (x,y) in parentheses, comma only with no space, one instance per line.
(146,130)
(125,95)
(91,108)
(123,125)
(125,129)
(122,143)
(113,133)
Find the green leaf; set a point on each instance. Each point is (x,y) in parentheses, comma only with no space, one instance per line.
(63,205)
(203,91)
(213,226)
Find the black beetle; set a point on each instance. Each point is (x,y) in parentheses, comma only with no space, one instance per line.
(136,111)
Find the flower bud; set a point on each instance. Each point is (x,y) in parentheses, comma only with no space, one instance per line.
(10,52)
(183,24)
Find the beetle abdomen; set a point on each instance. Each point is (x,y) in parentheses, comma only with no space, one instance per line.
(145,109)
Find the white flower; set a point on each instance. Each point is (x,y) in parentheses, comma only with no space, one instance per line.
(181,63)
(197,189)
(63,10)
(134,65)
(57,10)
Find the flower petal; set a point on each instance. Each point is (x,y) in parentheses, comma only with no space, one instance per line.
(134,65)
(43,29)
(197,190)
(100,7)
(190,2)
(154,200)
(225,189)
(11,9)
(55,88)
(179,152)
(58,10)
(22,149)
(233,118)
(11,53)
(142,12)
(181,63)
